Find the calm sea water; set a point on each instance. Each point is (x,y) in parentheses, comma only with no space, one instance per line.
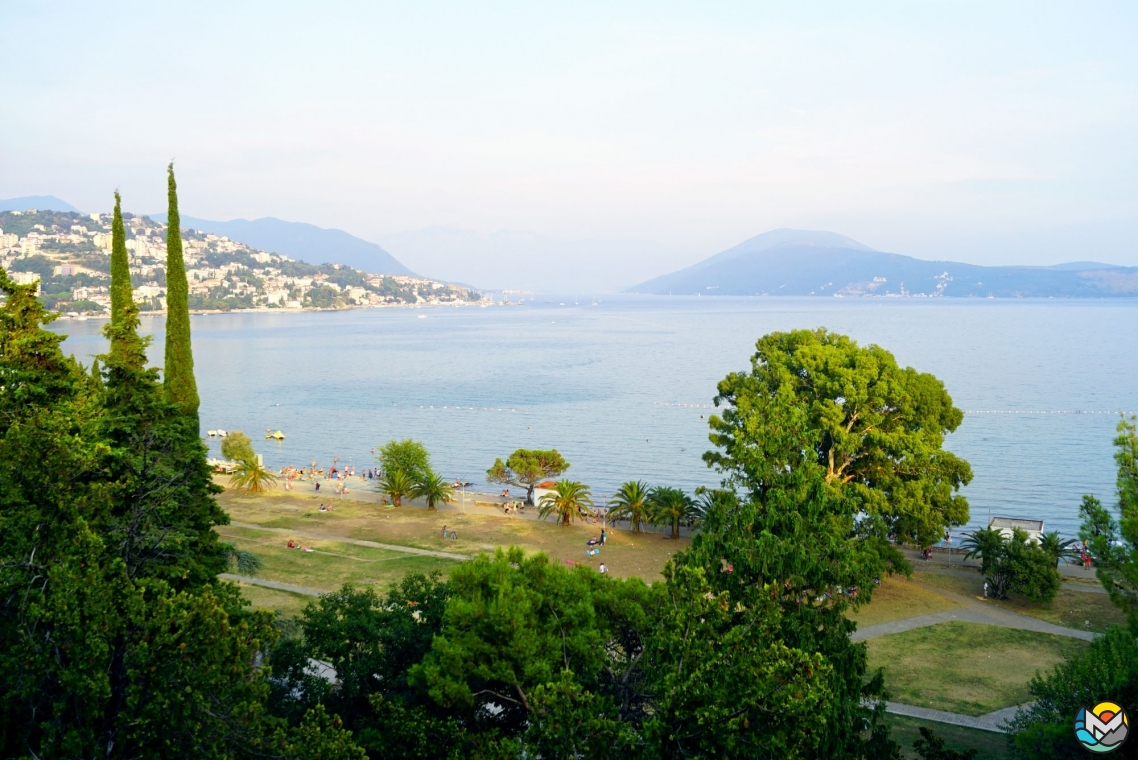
(622,388)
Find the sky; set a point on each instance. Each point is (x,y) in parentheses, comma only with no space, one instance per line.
(633,138)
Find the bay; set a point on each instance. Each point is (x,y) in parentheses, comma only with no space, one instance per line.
(623,387)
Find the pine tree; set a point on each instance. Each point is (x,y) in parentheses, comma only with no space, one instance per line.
(121,293)
(181,388)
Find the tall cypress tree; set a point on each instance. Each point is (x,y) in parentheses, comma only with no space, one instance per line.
(181,388)
(121,294)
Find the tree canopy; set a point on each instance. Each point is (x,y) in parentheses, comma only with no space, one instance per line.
(525,468)
(778,528)
(237,446)
(876,429)
(407,456)
(1113,541)
(181,386)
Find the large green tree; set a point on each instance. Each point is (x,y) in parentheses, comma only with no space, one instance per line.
(515,623)
(115,638)
(779,528)
(181,387)
(408,456)
(237,446)
(121,291)
(877,430)
(1113,541)
(525,468)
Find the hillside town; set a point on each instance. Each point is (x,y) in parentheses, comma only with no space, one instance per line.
(68,255)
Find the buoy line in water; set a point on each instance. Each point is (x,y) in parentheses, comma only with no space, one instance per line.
(1042,411)
(967,411)
(456,408)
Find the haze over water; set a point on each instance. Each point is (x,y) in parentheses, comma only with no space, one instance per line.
(623,388)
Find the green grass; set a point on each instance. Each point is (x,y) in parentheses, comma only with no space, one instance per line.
(284,602)
(897,598)
(625,554)
(966,668)
(905,731)
(1084,610)
(327,568)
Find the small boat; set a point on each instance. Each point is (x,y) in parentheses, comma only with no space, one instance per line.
(221,433)
(278,436)
(212,434)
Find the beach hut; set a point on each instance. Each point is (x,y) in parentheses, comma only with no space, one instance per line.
(1033,528)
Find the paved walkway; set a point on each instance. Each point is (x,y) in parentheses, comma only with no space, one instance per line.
(355,541)
(1085,586)
(993,721)
(271,584)
(944,559)
(971,611)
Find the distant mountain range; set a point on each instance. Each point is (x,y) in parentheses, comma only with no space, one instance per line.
(298,240)
(814,263)
(38,202)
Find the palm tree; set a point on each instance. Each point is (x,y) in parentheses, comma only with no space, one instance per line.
(567,499)
(251,475)
(630,503)
(246,561)
(396,484)
(672,507)
(991,548)
(434,488)
(1056,548)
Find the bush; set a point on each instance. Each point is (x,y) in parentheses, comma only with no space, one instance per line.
(1108,669)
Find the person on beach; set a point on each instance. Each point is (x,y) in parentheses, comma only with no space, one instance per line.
(444,531)
(603,568)
(603,535)
(985,589)
(318,485)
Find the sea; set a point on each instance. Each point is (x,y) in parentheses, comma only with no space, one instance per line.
(622,386)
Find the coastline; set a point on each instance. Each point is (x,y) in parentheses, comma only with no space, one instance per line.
(302,310)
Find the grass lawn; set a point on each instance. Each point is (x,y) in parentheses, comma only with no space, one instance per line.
(625,554)
(1072,609)
(331,564)
(897,598)
(905,731)
(284,602)
(335,563)
(966,668)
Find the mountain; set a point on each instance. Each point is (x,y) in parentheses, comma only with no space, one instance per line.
(298,240)
(38,202)
(809,263)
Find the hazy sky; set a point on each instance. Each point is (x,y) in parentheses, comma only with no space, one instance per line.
(978,131)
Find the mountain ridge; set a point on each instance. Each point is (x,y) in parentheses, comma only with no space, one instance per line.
(38,202)
(818,263)
(317,245)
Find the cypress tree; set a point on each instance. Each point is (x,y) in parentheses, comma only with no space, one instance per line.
(121,295)
(181,388)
